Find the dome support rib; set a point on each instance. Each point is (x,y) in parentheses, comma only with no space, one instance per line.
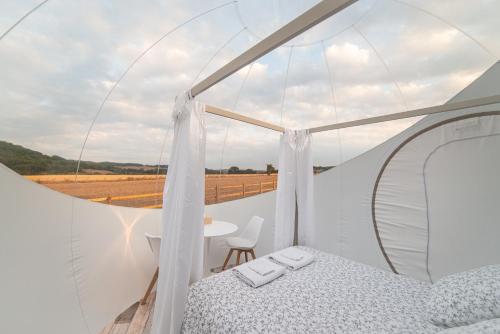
(21,19)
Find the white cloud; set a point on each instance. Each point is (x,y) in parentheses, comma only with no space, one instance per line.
(348,54)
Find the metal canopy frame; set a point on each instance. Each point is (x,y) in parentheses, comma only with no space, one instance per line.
(303,22)
(307,20)
(229,114)
(483,101)
(411,113)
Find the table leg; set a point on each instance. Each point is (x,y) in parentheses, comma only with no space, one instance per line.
(206,253)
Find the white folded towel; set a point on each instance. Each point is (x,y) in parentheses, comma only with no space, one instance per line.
(293,258)
(293,253)
(247,272)
(263,266)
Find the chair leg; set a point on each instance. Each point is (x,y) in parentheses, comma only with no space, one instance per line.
(238,257)
(227,258)
(246,256)
(253,254)
(150,287)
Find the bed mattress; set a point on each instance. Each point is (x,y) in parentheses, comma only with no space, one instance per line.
(331,295)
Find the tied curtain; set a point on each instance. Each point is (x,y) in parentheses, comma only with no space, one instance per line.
(181,254)
(295,190)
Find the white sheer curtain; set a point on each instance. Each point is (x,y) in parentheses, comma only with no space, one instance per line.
(295,187)
(181,255)
(304,188)
(285,195)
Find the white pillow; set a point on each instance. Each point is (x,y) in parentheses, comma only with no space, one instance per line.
(465,298)
(484,327)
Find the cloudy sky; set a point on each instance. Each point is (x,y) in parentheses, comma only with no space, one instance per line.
(377,57)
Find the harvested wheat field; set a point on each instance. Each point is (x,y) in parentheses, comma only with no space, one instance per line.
(145,191)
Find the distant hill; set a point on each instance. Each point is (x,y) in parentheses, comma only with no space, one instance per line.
(28,162)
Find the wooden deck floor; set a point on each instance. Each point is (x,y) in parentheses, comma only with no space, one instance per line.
(135,320)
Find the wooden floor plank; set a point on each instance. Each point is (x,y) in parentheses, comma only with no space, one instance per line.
(137,319)
(107,329)
(128,314)
(147,329)
(141,316)
(120,328)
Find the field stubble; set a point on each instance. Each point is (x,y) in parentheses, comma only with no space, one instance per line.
(146,190)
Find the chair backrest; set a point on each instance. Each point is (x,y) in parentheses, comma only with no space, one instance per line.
(252,230)
(154,243)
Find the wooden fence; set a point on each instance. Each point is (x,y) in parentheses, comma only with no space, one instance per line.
(213,195)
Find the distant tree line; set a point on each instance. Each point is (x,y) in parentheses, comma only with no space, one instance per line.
(269,170)
(28,162)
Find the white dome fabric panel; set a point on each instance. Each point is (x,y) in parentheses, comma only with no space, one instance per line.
(343,199)
(70,265)
(343,209)
(464,216)
(37,291)
(416,184)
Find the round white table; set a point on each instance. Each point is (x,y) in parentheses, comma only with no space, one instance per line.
(218,228)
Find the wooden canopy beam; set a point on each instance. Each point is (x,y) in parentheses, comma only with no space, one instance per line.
(307,20)
(245,119)
(411,113)
(483,101)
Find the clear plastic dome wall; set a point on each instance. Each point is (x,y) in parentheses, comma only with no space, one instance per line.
(88,88)
(103,65)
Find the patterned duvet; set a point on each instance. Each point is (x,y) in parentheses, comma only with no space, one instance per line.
(332,295)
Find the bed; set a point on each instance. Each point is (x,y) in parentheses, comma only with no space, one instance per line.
(331,295)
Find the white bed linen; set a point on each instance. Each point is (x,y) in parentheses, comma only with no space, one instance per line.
(331,295)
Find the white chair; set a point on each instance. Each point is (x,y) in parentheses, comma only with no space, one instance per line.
(154,243)
(246,241)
